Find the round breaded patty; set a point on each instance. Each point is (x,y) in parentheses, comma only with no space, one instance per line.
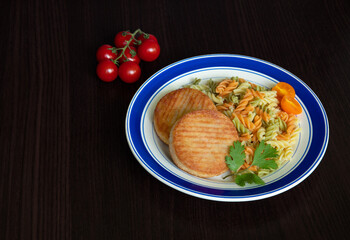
(174,105)
(199,142)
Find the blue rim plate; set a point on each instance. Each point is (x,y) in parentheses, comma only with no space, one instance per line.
(154,156)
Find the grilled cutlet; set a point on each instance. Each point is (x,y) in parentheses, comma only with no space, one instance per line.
(199,142)
(174,105)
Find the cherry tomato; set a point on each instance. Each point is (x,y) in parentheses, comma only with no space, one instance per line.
(104,53)
(290,105)
(148,51)
(121,39)
(107,71)
(128,53)
(284,89)
(144,36)
(129,72)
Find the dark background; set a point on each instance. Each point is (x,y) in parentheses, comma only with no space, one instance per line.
(66,170)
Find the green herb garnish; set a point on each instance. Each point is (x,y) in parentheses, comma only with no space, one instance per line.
(264,158)
(237,156)
(242,179)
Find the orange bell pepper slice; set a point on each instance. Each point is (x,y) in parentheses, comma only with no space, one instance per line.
(290,105)
(284,89)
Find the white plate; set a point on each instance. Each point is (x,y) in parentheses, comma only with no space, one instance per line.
(154,155)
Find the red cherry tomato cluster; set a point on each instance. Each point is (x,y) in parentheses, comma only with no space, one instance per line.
(123,60)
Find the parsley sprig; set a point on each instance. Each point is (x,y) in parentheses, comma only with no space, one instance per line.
(264,158)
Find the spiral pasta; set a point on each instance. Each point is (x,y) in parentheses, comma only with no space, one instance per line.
(245,137)
(248,109)
(291,123)
(241,89)
(264,115)
(245,121)
(239,126)
(283,115)
(255,102)
(271,131)
(244,102)
(257,122)
(225,106)
(229,88)
(202,88)
(282,125)
(232,98)
(220,88)
(260,133)
(215,98)
(256,94)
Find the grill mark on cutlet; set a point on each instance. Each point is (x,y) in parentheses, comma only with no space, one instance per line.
(204,132)
(213,138)
(184,104)
(169,111)
(168,103)
(182,100)
(197,140)
(206,126)
(201,104)
(210,123)
(203,151)
(205,104)
(199,153)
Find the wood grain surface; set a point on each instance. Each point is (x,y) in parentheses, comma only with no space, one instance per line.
(66,170)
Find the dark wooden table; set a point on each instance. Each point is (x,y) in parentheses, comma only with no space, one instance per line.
(66,170)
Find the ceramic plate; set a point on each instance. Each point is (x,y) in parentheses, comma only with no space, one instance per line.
(154,155)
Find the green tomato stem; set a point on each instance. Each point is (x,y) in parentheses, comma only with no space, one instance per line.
(138,42)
